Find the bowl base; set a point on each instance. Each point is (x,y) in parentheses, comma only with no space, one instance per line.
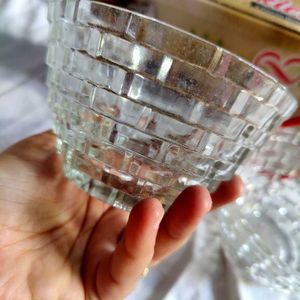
(108,184)
(100,190)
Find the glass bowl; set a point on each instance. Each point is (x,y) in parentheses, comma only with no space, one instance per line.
(144,109)
(260,233)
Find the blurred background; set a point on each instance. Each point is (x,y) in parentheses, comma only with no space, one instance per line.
(200,270)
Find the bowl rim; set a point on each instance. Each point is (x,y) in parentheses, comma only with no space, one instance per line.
(197,38)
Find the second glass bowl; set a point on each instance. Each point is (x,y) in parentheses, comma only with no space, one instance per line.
(261,232)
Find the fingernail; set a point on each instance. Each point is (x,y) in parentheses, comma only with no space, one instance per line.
(208,205)
(159,213)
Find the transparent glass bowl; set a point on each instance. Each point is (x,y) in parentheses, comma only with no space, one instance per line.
(261,232)
(167,54)
(144,109)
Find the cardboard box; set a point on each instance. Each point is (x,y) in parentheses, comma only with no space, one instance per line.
(266,32)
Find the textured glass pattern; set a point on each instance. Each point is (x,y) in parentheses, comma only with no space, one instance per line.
(125,170)
(189,79)
(261,231)
(143,109)
(261,235)
(73,117)
(280,155)
(175,42)
(151,93)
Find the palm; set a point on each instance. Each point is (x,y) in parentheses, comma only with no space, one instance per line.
(56,242)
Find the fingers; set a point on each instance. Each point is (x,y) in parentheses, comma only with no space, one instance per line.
(181,220)
(133,253)
(101,245)
(227,192)
(188,209)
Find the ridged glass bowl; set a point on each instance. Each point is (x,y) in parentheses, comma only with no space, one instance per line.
(261,232)
(144,109)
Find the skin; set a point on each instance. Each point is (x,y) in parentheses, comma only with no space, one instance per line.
(57,242)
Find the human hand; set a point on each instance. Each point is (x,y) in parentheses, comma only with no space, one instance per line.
(57,242)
